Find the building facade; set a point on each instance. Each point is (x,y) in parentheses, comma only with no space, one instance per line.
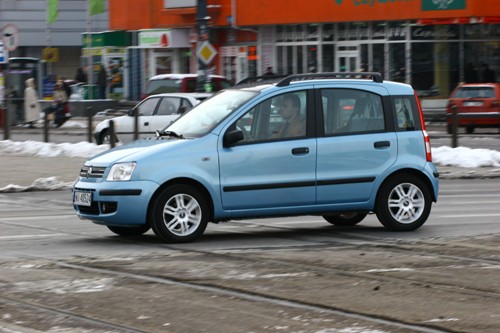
(63,36)
(431,44)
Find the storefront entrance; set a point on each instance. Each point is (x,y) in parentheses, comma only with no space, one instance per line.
(347,61)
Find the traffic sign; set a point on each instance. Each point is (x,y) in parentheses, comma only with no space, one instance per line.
(4,54)
(206,52)
(10,36)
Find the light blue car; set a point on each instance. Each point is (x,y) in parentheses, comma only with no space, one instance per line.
(315,144)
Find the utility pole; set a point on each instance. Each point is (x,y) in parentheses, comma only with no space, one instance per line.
(202,19)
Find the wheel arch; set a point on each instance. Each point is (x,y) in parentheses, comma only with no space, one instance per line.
(412,172)
(181,181)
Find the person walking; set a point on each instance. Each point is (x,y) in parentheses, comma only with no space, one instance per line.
(102,82)
(80,76)
(60,104)
(31,105)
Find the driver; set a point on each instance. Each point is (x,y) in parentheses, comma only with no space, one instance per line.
(290,112)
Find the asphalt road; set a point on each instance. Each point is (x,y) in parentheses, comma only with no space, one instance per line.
(298,274)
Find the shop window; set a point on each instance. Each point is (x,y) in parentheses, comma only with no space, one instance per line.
(328,32)
(397,58)
(328,57)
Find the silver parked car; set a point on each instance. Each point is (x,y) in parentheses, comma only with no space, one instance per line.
(154,113)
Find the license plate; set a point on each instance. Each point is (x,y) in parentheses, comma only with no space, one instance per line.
(473,103)
(82,198)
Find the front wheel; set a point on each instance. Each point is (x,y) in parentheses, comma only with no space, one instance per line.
(105,138)
(180,214)
(129,231)
(344,219)
(403,203)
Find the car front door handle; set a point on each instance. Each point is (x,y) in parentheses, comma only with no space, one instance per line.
(146,123)
(300,151)
(381,144)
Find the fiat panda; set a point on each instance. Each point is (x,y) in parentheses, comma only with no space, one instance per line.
(337,145)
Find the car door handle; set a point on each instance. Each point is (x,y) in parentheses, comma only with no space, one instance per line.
(381,144)
(146,123)
(300,151)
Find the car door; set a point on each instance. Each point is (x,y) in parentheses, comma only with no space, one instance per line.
(145,110)
(355,147)
(168,109)
(265,172)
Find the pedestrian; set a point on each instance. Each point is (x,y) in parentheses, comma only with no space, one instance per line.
(31,105)
(102,82)
(60,107)
(269,71)
(470,73)
(80,76)
(488,74)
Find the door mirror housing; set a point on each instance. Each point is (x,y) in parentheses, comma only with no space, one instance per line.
(232,137)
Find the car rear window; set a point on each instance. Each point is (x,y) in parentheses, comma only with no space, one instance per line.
(475,92)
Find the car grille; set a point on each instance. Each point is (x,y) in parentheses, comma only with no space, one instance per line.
(89,171)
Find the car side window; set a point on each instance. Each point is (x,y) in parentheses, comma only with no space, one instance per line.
(147,107)
(279,117)
(347,111)
(405,113)
(168,106)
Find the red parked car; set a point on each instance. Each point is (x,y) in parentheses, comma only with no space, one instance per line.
(482,99)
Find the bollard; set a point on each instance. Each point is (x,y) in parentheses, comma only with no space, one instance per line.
(136,124)
(46,126)
(89,124)
(112,135)
(454,126)
(6,123)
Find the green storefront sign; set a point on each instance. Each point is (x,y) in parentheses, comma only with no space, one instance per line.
(443,4)
(107,38)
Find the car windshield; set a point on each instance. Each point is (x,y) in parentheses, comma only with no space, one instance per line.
(475,92)
(205,116)
(163,86)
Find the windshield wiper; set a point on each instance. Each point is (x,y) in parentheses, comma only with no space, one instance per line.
(172,134)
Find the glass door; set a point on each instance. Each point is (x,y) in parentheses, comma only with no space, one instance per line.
(347,59)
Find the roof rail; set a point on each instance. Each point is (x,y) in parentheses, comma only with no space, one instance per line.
(376,77)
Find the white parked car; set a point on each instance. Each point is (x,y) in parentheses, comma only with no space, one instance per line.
(154,113)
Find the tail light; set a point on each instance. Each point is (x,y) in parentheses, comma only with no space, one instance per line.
(427,140)
(495,104)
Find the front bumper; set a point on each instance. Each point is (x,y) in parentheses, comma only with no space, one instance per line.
(116,203)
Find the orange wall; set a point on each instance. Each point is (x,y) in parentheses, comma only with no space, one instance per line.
(257,12)
(147,14)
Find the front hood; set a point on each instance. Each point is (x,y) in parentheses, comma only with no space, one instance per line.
(132,151)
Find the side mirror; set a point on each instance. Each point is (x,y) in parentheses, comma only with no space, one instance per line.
(232,137)
(132,112)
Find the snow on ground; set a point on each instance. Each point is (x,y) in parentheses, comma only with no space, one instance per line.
(446,156)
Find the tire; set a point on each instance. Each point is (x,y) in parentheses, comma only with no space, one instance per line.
(403,203)
(469,129)
(180,214)
(130,231)
(105,137)
(344,219)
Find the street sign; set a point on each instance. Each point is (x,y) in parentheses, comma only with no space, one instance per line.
(206,52)
(10,36)
(4,54)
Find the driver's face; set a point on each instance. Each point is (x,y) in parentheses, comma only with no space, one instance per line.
(287,109)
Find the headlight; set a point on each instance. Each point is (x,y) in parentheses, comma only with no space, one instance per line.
(121,171)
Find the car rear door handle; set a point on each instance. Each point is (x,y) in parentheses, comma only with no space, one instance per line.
(381,144)
(300,151)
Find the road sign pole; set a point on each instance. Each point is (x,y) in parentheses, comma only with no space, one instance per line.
(202,25)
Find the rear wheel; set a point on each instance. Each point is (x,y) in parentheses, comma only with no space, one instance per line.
(403,203)
(469,129)
(129,231)
(180,214)
(344,219)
